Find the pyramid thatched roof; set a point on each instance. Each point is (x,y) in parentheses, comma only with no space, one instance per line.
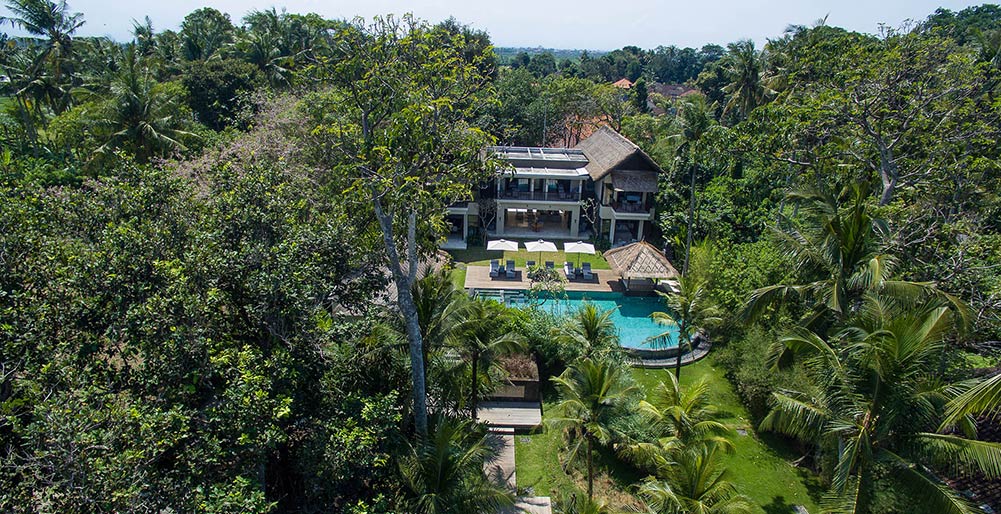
(640,260)
(606,150)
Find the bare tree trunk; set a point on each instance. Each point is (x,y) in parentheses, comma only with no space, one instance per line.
(404,280)
(691,224)
(683,331)
(888,174)
(590,471)
(473,387)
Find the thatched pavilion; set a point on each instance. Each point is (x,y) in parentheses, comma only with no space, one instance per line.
(641,266)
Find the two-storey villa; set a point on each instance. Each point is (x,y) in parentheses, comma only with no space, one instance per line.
(605,186)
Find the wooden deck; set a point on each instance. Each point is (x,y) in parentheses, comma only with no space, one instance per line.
(478,277)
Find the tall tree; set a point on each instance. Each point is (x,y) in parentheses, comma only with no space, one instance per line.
(483,336)
(204,32)
(746,89)
(592,331)
(839,251)
(591,392)
(53,22)
(142,116)
(694,121)
(691,306)
(695,482)
(402,140)
(878,407)
(443,471)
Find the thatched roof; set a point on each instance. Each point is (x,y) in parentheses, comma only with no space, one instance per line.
(640,260)
(634,180)
(606,150)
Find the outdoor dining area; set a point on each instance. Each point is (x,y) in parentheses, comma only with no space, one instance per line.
(572,272)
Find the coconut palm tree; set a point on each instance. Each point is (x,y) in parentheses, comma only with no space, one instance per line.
(695,482)
(591,393)
(840,252)
(443,471)
(592,330)
(142,115)
(877,405)
(682,419)
(440,308)
(744,66)
(55,24)
(690,306)
(482,337)
(694,120)
(684,414)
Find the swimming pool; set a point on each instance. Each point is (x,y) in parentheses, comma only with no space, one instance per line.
(631,316)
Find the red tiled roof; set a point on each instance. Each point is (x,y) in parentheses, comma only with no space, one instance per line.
(623,83)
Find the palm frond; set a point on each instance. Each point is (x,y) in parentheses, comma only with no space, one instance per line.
(982,397)
(984,456)
(795,415)
(937,496)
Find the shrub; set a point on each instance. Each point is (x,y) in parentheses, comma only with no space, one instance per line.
(745,361)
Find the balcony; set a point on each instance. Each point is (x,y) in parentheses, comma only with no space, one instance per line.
(539,196)
(630,207)
(627,211)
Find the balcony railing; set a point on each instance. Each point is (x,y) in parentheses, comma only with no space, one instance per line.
(630,207)
(542,196)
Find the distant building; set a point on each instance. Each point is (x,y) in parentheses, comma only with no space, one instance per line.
(604,186)
(623,83)
(669,91)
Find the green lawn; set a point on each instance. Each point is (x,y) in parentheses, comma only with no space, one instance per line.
(482,257)
(760,467)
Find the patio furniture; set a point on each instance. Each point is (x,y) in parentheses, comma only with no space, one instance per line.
(529,264)
(587,271)
(550,265)
(510,269)
(494,268)
(568,270)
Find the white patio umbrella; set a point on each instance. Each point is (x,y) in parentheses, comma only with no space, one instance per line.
(579,247)
(503,245)
(540,246)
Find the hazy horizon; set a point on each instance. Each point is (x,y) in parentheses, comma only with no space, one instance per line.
(519,23)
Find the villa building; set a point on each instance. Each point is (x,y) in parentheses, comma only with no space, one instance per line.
(605,186)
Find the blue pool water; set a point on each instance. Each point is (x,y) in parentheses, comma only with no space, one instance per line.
(631,317)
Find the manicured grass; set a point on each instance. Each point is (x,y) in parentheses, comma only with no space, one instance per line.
(459,277)
(761,466)
(481,257)
(537,460)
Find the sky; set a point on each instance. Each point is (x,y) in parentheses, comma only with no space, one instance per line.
(585,24)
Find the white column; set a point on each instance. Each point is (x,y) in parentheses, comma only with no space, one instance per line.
(639,231)
(465,226)
(575,221)
(611,231)
(501,214)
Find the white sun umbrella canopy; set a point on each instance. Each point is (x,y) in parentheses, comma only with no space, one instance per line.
(579,247)
(502,245)
(540,246)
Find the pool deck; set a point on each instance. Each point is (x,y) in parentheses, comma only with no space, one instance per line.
(478,277)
